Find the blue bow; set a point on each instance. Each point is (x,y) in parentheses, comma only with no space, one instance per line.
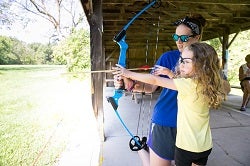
(135,142)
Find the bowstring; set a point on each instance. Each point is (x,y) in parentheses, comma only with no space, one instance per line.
(149,113)
(142,102)
(157,38)
(147,53)
(141,112)
(149,36)
(144,114)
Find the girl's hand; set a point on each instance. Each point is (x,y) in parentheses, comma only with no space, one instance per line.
(118,82)
(118,79)
(120,71)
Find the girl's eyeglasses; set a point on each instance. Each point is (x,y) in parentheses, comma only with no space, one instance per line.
(183,38)
(185,60)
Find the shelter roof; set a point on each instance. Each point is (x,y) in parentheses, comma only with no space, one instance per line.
(223,16)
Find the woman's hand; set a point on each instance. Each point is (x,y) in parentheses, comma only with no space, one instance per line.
(160,70)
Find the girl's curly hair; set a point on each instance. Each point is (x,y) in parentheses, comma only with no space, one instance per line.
(208,73)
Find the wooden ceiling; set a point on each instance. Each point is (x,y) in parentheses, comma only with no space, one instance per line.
(155,24)
(153,28)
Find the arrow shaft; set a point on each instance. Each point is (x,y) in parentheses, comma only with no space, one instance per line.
(109,71)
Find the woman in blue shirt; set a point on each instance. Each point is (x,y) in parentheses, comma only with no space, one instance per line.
(161,141)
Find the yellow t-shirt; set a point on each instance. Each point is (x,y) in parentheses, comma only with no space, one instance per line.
(193,129)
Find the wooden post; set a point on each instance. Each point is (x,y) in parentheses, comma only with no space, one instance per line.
(93,11)
(225,53)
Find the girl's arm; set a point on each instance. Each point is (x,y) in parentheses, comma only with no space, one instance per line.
(147,78)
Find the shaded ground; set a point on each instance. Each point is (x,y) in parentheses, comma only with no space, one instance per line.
(230,130)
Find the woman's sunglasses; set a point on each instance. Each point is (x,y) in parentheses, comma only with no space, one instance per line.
(183,38)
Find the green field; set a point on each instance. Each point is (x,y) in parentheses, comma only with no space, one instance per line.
(40,109)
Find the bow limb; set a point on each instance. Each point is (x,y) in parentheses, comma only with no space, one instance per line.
(120,39)
(123,51)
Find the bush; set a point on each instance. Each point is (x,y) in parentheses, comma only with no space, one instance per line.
(74,51)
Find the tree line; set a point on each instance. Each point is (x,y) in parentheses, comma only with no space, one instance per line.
(13,51)
(72,51)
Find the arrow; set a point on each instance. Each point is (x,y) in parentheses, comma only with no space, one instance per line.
(110,71)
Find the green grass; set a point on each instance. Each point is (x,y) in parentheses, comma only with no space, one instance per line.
(34,122)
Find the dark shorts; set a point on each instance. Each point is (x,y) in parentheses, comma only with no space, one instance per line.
(162,141)
(186,158)
(246,78)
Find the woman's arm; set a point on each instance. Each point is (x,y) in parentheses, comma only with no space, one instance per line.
(136,86)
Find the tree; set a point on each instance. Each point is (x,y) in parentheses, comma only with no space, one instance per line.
(8,51)
(13,51)
(9,14)
(74,51)
(42,53)
(4,50)
(5,13)
(55,13)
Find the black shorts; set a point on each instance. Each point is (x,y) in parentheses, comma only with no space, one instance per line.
(162,141)
(246,78)
(186,158)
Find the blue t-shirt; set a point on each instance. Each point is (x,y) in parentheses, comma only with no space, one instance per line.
(165,110)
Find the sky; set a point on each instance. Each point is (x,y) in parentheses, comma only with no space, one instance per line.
(34,32)
(37,30)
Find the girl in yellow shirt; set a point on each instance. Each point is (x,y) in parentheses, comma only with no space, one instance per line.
(200,87)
